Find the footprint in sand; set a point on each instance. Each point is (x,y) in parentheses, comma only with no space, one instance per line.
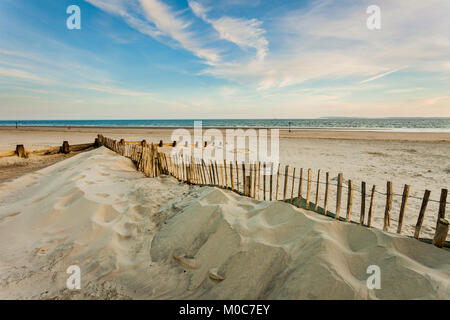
(214,275)
(9,216)
(188,263)
(103,195)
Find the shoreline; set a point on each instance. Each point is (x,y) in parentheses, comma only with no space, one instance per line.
(303,133)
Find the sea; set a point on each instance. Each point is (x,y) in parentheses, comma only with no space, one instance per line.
(372,124)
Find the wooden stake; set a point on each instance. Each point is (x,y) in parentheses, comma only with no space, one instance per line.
(217,173)
(349,200)
(387,211)
(226,175)
(327,191)
(423,209)
(278,182)
(441,233)
(237,177)
(402,208)
(264,181)
(222,178)
(308,189)
(286,174)
(442,203)
(339,195)
(363,203)
(243,177)
(254,181)
(259,180)
(231,176)
(300,188)
(293,184)
(271,182)
(316,207)
(247,184)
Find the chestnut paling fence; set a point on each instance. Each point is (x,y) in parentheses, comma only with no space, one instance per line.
(299,187)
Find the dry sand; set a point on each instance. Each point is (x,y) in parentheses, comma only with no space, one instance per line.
(135,237)
(418,159)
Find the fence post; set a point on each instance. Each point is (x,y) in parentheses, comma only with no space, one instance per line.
(339,196)
(293,185)
(259,180)
(370,213)
(442,203)
(231,175)
(402,208)
(264,181)
(254,180)
(278,182)
(308,189)
(387,211)
(286,173)
(237,177)
(271,182)
(316,207)
(243,177)
(349,200)
(20,151)
(327,192)
(65,148)
(423,209)
(226,175)
(300,187)
(363,203)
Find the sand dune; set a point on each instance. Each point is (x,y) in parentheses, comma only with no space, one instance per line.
(141,238)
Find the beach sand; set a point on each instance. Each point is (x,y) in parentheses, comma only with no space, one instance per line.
(417,159)
(139,238)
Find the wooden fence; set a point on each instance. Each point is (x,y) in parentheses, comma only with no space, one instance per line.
(262,181)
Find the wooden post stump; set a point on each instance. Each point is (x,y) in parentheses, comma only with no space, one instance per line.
(122,141)
(20,151)
(160,143)
(441,233)
(96,143)
(65,147)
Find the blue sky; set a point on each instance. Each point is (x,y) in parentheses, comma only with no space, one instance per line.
(223,59)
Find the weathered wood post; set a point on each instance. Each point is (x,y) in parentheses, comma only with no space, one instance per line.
(402,208)
(339,195)
(226,173)
(387,211)
(442,203)
(349,200)
(254,180)
(271,182)
(441,233)
(327,193)
(278,182)
(370,213)
(264,181)
(286,174)
(237,177)
(423,209)
(316,206)
(231,175)
(300,187)
(243,178)
(308,189)
(174,144)
(160,143)
(20,151)
(65,147)
(259,180)
(96,143)
(293,184)
(363,203)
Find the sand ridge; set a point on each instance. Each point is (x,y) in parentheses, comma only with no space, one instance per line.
(140,238)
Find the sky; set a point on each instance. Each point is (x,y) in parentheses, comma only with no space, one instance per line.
(173,59)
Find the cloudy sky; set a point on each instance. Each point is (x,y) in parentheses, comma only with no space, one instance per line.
(223,59)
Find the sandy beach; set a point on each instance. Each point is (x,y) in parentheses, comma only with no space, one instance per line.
(155,238)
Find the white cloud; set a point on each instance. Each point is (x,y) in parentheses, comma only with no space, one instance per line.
(245,33)
(384,74)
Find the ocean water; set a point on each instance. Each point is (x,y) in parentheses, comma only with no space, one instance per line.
(382,124)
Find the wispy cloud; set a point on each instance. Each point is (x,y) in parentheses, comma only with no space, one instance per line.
(384,74)
(245,33)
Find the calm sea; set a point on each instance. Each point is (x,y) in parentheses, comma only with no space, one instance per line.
(389,124)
